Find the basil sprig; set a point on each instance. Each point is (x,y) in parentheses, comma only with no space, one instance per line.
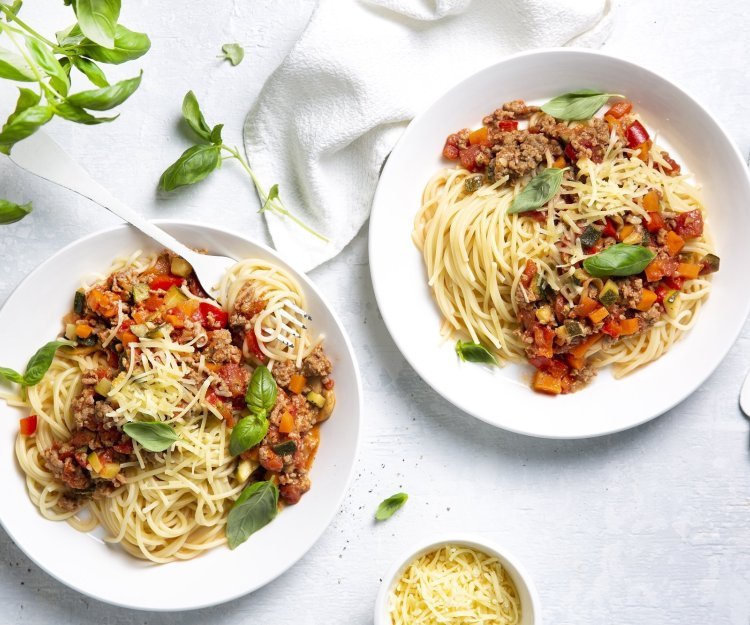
(37,366)
(255,508)
(98,20)
(260,398)
(620,259)
(474,352)
(232,52)
(581,104)
(151,435)
(388,507)
(540,190)
(202,159)
(10,212)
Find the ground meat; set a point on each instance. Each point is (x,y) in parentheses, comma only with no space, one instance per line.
(90,377)
(292,486)
(82,408)
(269,459)
(122,281)
(246,307)
(519,153)
(498,115)
(549,126)
(631,290)
(67,470)
(219,348)
(519,108)
(305,413)
(283,372)
(192,330)
(590,140)
(316,364)
(70,502)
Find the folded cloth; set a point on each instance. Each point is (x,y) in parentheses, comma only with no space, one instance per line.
(329,115)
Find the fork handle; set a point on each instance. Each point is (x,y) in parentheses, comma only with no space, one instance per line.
(41,156)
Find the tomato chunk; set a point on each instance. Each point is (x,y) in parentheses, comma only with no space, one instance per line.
(165,281)
(506,125)
(689,225)
(27,425)
(213,317)
(468,157)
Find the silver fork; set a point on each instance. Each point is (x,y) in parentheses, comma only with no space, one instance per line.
(41,156)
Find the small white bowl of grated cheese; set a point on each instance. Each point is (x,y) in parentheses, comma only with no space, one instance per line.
(457,580)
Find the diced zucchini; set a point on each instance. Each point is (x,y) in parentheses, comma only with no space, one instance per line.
(180,267)
(79,301)
(328,407)
(174,297)
(544,314)
(573,328)
(537,286)
(472,184)
(580,276)
(590,236)
(672,302)
(103,387)
(140,292)
(316,398)
(562,333)
(710,264)
(609,294)
(140,330)
(244,470)
(285,448)
(89,341)
(70,332)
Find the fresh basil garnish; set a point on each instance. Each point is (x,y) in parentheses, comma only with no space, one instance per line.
(255,508)
(47,61)
(23,125)
(620,259)
(37,366)
(389,506)
(14,67)
(581,104)
(233,52)
(191,113)
(540,190)
(10,212)
(193,166)
(261,392)
(129,45)
(247,433)
(151,435)
(91,70)
(108,97)
(98,20)
(474,352)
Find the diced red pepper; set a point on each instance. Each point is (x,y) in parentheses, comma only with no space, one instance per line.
(674,282)
(468,157)
(529,271)
(125,447)
(654,222)
(219,316)
(506,125)
(27,425)
(252,345)
(661,292)
(619,109)
(165,281)
(610,229)
(689,225)
(674,168)
(570,152)
(612,327)
(636,134)
(543,337)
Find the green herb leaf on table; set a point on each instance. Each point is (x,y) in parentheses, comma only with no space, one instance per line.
(255,508)
(106,98)
(37,366)
(273,194)
(193,166)
(261,392)
(10,212)
(620,259)
(247,433)
(475,352)
(577,105)
(151,435)
(98,20)
(191,112)
(540,190)
(233,52)
(388,507)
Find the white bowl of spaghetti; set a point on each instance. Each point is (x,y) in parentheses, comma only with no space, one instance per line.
(153,520)
(522,284)
(457,579)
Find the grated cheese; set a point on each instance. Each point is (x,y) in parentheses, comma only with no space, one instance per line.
(454,585)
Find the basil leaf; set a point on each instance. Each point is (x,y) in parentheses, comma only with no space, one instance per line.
(247,433)
(77,114)
(40,362)
(98,20)
(540,190)
(128,46)
(581,104)
(191,111)
(11,212)
(474,352)
(389,506)
(193,166)
(46,60)
(23,125)
(71,36)
(620,259)
(273,193)
(15,67)
(11,375)
(255,508)
(261,392)
(233,52)
(151,435)
(107,97)
(215,137)
(91,70)
(26,99)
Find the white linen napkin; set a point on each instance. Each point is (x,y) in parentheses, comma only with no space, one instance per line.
(330,114)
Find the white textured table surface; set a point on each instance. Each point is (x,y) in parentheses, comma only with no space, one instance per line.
(648,526)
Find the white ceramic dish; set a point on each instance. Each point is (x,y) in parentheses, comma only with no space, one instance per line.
(32,315)
(502,396)
(530,607)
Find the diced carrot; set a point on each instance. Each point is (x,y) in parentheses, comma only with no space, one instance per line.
(176,321)
(618,109)
(188,307)
(83,331)
(580,350)
(479,136)
(625,231)
(648,298)
(650,201)
(598,315)
(576,362)
(139,315)
(688,270)
(546,383)
(644,150)
(559,163)
(613,123)
(629,326)
(297,383)
(586,305)
(286,424)
(658,268)
(674,242)
(128,337)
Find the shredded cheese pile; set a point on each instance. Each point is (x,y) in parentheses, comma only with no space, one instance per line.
(455,585)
